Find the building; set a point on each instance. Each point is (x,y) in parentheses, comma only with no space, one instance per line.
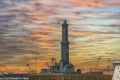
(61,76)
(63,66)
(63,70)
(116,75)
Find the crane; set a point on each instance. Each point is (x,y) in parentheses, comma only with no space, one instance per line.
(108,66)
(97,63)
(47,65)
(30,69)
(53,61)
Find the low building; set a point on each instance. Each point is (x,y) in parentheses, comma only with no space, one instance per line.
(61,76)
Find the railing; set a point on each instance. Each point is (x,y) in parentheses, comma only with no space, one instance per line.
(11,78)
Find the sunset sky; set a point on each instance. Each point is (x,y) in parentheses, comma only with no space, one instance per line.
(30,32)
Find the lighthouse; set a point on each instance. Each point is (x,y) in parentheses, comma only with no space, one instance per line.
(63,66)
(65,44)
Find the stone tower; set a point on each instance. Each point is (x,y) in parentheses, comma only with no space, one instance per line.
(65,44)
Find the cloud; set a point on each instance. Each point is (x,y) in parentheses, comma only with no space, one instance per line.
(30,29)
(116,25)
(90,3)
(84,33)
(94,3)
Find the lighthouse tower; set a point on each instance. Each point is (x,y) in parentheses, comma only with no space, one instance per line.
(65,44)
(64,66)
(116,75)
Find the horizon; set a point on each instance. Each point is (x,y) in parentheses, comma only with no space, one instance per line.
(30,33)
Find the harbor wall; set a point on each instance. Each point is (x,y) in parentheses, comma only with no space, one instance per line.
(70,77)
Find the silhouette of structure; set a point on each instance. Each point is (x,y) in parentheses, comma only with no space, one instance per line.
(65,44)
(116,75)
(63,70)
(63,66)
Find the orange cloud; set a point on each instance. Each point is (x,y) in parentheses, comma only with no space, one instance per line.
(37,16)
(89,3)
(42,36)
(14,69)
(83,33)
(37,5)
(50,31)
